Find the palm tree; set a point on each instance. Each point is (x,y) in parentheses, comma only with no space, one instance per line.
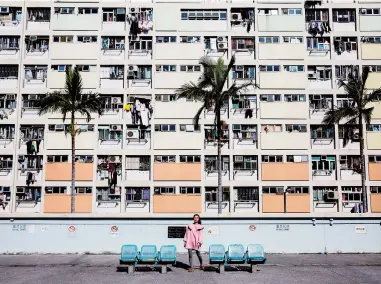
(355,114)
(210,91)
(71,100)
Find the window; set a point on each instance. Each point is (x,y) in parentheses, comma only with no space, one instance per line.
(114,14)
(164,190)
(87,10)
(295,98)
(320,193)
(165,127)
(211,164)
(323,163)
(272,159)
(33,133)
(271,128)
(297,190)
(83,190)
(55,190)
(211,194)
(317,15)
(374,159)
(374,68)
(107,194)
(165,159)
(373,127)
(270,98)
(6,163)
(296,127)
(165,39)
(190,39)
(28,194)
(297,158)
(243,72)
(292,39)
(60,68)
(29,163)
(269,39)
(243,44)
(245,163)
(38,14)
(190,159)
(371,39)
(293,68)
(7,132)
(318,44)
(343,101)
(272,190)
(343,15)
(84,159)
(268,12)
(375,189)
(62,38)
(138,163)
(87,68)
(165,68)
(190,68)
(62,10)
(342,44)
(57,158)
(343,71)
(110,132)
(190,190)
(269,68)
(374,11)
(350,163)
(141,44)
(322,132)
(165,98)
(8,71)
(203,15)
(245,132)
(9,42)
(247,193)
(189,127)
(87,39)
(348,131)
(351,194)
(286,11)
(137,194)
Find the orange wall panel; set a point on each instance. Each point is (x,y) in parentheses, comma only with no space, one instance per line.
(374,171)
(273,203)
(298,203)
(62,171)
(177,171)
(177,203)
(285,171)
(375,202)
(84,203)
(57,203)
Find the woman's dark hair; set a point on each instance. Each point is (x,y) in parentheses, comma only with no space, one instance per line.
(199,218)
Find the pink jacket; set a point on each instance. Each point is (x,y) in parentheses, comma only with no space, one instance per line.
(193,236)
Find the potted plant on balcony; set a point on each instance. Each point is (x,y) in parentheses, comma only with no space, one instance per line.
(71,100)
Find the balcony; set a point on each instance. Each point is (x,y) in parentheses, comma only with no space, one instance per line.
(244,74)
(170,107)
(245,168)
(78,48)
(370,48)
(30,169)
(7,137)
(244,49)
(292,77)
(319,77)
(112,77)
(140,48)
(244,107)
(30,109)
(200,20)
(140,77)
(35,77)
(75,19)
(169,48)
(114,19)
(62,171)
(8,104)
(137,199)
(344,20)
(242,20)
(181,140)
(9,47)
(322,137)
(351,199)
(5,205)
(373,137)
(113,48)
(211,197)
(348,137)
(109,171)
(350,168)
(138,168)
(9,76)
(108,200)
(138,137)
(177,203)
(319,48)
(6,168)
(209,114)
(245,136)
(326,199)
(317,21)
(173,76)
(211,170)
(293,107)
(294,137)
(110,137)
(31,139)
(177,171)
(28,199)
(112,107)
(295,171)
(11,19)
(138,110)
(37,47)
(271,48)
(369,20)
(210,141)
(282,20)
(59,140)
(246,199)
(324,168)
(140,21)
(216,47)
(345,48)
(342,73)
(319,105)
(38,19)
(57,76)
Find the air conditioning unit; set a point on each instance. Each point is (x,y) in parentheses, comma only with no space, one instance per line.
(270,98)
(236,17)
(116,100)
(133,68)
(356,136)
(238,159)
(279,190)
(222,39)
(59,127)
(239,68)
(4,10)
(222,45)
(114,159)
(133,134)
(165,98)
(132,10)
(115,127)
(32,97)
(311,75)
(332,195)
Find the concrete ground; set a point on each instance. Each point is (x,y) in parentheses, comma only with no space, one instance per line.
(83,269)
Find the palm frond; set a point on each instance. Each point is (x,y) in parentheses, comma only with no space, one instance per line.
(374,96)
(367,114)
(334,116)
(196,119)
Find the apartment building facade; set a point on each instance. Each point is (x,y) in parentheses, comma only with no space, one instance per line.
(144,156)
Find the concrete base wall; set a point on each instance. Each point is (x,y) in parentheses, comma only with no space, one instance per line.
(277,236)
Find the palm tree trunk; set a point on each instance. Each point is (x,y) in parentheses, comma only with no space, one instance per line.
(219,161)
(363,169)
(72,133)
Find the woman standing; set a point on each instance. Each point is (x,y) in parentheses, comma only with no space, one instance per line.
(193,240)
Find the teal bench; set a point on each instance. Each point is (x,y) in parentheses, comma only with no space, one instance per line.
(236,254)
(130,257)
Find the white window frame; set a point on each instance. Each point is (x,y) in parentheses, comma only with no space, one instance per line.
(269,39)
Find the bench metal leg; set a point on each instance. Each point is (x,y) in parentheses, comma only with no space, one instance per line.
(163,269)
(221,268)
(252,267)
(130,269)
